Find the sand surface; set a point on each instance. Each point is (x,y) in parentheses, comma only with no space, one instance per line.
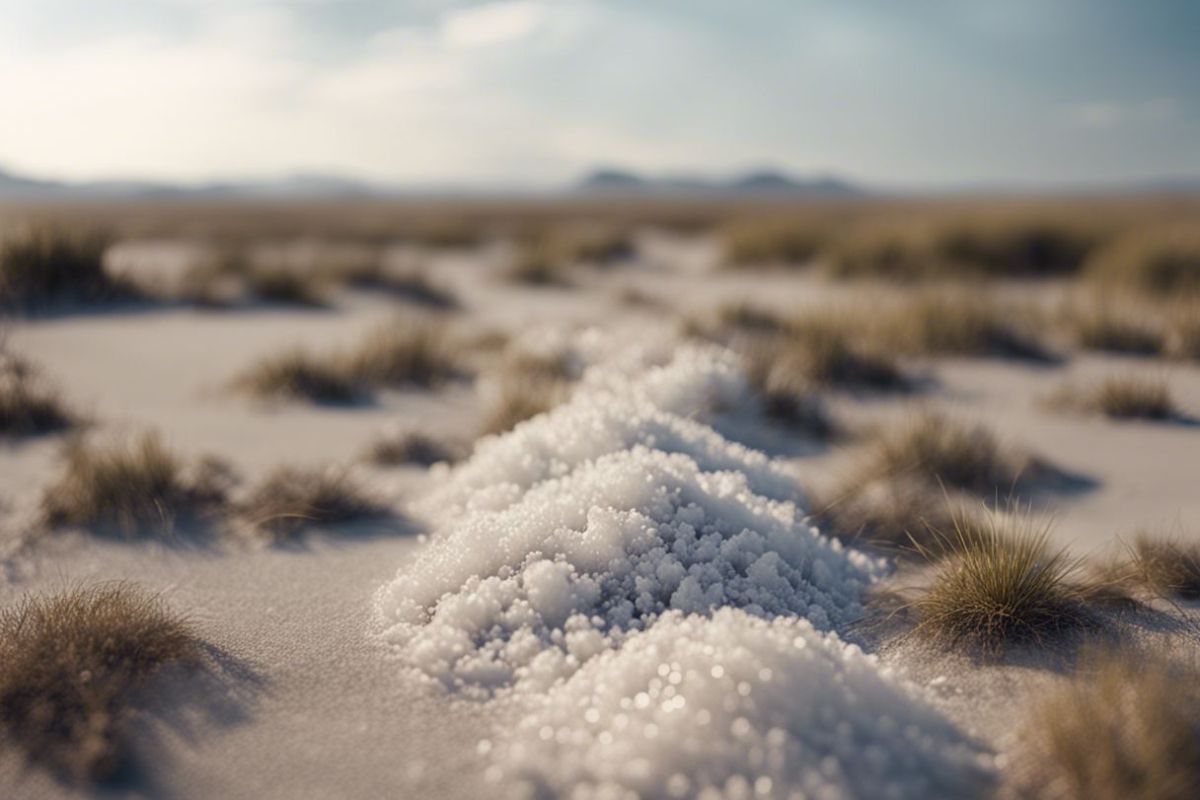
(309,706)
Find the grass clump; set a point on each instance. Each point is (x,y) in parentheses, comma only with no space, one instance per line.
(373,274)
(1003,586)
(519,398)
(903,516)
(1107,329)
(1126,727)
(1120,397)
(941,452)
(405,353)
(1163,262)
(233,276)
(772,242)
(1161,566)
(292,499)
(399,447)
(130,487)
(959,323)
(42,267)
(29,407)
(71,665)
(299,375)
(538,265)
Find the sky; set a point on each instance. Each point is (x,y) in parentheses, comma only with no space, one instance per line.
(916,93)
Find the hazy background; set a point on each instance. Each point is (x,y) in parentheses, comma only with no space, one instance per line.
(927,93)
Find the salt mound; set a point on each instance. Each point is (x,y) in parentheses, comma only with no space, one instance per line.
(616,407)
(648,602)
(588,522)
(735,706)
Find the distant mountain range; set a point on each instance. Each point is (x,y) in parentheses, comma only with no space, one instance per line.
(605,181)
(764,182)
(608,182)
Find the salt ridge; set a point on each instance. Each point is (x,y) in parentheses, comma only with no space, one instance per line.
(616,536)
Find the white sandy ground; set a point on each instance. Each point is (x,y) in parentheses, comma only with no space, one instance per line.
(312,707)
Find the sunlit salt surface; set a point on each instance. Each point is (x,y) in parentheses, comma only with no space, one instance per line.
(734,706)
(649,600)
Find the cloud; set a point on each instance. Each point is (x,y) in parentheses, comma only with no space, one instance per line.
(493,23)
(1107,115)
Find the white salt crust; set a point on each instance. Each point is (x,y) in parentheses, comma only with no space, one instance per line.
(616,538)
(734,706)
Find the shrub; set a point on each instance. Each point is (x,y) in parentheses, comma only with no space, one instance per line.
(1004,588)
(536,265)
(1126,727)
(42,267)
(70,667)
(130,487)
(292,499)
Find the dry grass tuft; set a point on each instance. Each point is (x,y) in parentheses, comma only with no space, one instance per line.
(942,452)
(29,407)
(792,243)
(70,668)
(1119,397)
(961,323)
(1003,586)
(300,375)
(519,398)
(131,487)
(1160,566)
(538,265)
(292,499)
(233,276)
(1108,329)
(903,516)
(374,274)
(42,267)
(1163,262)
(1127,727)
(406,353)
(399,447)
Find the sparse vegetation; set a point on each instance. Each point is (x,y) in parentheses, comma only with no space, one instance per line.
(131,487)
(1103,327)
(1159,262)
(904,516)
(299,375)
(234,275)
(942,452)
(784,242)
(401,353)
(28,406)
(961,323)
(1119,397)
(1126,727)
(43,267)
(1160,566)
(71,665)
(291,499)
(537,265)
(1003,586)
(405,353)
(399,447)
